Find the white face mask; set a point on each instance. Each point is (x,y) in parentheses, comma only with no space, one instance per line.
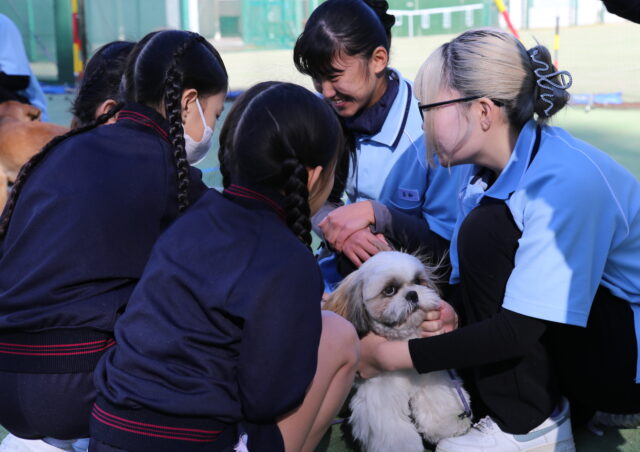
(197,150)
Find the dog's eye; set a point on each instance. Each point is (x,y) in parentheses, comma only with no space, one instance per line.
(420,282)
(389,291)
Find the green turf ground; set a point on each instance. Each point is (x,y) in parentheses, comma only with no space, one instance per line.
(616,132)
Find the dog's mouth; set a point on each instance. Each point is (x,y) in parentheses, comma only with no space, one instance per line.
(399,324)
(412,307)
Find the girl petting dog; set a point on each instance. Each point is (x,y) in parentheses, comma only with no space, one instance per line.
(392,192)
(79,227)
(546,252)
(223,343)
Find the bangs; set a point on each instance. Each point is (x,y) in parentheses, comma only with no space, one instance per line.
(314,53)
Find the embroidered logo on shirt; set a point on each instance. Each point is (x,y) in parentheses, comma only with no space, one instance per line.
(408,194)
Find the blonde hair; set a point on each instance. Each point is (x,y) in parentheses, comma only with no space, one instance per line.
(491,63)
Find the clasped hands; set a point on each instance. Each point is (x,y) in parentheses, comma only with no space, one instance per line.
(346,230)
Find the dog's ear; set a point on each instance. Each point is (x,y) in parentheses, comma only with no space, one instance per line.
(348,301)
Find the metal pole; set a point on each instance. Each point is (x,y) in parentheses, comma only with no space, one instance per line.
(507,19)
(78,64)
(556,42)
(184,14)
(217,34)
(526,8)
(64,41)
(82,30)
(31,30)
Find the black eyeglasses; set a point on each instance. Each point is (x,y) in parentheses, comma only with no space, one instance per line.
(452,101)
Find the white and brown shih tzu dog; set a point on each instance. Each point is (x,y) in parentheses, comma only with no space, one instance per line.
(389,295)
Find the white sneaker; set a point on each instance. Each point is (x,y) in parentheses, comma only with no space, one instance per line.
(553,435)
(14,444)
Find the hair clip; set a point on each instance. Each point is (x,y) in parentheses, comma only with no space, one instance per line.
(544,80)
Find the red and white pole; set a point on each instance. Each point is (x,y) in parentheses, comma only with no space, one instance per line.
(503,10)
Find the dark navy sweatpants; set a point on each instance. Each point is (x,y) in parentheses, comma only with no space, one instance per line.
(34,406)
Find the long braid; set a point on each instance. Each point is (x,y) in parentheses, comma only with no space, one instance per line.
(225,142)
(222,167)
(296,202)
(172,98)
(28,167)
(296,194)
(231,124)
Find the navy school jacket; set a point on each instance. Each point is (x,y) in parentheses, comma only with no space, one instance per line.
(79,238)
(220,336)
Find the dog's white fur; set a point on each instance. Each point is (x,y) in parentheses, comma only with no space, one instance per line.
(389,295)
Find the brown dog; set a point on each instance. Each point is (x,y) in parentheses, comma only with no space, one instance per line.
(12,109)
(21,136)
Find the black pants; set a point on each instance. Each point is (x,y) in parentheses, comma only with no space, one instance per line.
(34,406)
(594,367)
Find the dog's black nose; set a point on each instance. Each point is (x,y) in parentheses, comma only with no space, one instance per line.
(412,296)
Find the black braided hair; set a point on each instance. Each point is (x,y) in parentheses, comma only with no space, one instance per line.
(230,124)
(101,80)
(28,167)
(342,167)
(274,142)
(350,27)
(173,108)
(154,81)
(128,85)
(222,166)
(296,199)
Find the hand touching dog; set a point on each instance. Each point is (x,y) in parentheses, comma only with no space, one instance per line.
(390,299)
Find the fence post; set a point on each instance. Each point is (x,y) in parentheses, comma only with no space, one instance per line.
(184,14)
(31,27)
(556,43)
(78,43)
(64,41)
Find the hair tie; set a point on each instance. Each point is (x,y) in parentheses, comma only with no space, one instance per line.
(545,82)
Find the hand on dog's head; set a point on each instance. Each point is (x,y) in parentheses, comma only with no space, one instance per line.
(389,295)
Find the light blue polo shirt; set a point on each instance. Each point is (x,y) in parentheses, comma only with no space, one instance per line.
(579,213)
(13,61)
(391,167)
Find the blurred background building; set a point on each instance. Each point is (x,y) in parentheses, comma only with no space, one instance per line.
(60,34)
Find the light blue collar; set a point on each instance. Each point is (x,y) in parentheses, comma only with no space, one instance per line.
(391,130)
(510,177)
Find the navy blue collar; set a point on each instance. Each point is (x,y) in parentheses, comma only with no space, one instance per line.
(146,117)
(370,120)
(254,197)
